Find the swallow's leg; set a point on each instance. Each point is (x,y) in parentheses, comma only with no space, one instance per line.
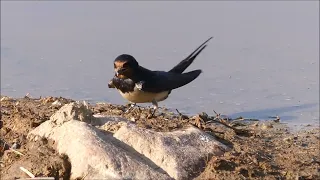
(155,107)
(131,106)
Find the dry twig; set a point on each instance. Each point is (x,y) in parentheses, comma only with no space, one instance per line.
(17,152)
(182,116)
(223,122)
(27,172)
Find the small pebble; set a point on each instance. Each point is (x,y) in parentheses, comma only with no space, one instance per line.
(132,119)
(15,145)
(3,146)
(304,145)
(266,126)
(287,139)
(57,103)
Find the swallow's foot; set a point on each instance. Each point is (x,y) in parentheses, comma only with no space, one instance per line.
(151,114)
(155,107)
(130,108)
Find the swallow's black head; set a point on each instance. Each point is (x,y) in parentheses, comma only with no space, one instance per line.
(124,65)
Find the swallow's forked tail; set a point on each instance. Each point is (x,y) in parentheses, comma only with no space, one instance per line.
(184,64)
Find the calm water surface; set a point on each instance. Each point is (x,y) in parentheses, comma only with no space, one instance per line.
(263,60)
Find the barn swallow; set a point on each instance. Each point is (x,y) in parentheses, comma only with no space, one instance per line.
(140,85)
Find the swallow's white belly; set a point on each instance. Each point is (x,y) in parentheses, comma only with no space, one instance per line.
(138,96)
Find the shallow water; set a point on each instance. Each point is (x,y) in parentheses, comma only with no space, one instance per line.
(263,60)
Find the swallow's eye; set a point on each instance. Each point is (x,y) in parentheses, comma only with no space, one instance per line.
(126,65)
(114,65)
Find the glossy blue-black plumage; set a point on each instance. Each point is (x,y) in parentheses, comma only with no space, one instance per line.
(157,81)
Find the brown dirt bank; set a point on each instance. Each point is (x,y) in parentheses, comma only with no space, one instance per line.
(260,150)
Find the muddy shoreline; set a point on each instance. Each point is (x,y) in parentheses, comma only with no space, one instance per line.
(259,149)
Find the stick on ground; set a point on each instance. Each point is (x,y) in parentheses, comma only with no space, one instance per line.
(27,172)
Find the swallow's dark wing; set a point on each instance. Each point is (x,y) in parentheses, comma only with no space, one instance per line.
(183,65)
(166,81)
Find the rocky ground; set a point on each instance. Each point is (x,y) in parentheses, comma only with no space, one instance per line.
(256,149)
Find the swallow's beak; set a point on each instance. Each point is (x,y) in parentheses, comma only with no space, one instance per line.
(120,71)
